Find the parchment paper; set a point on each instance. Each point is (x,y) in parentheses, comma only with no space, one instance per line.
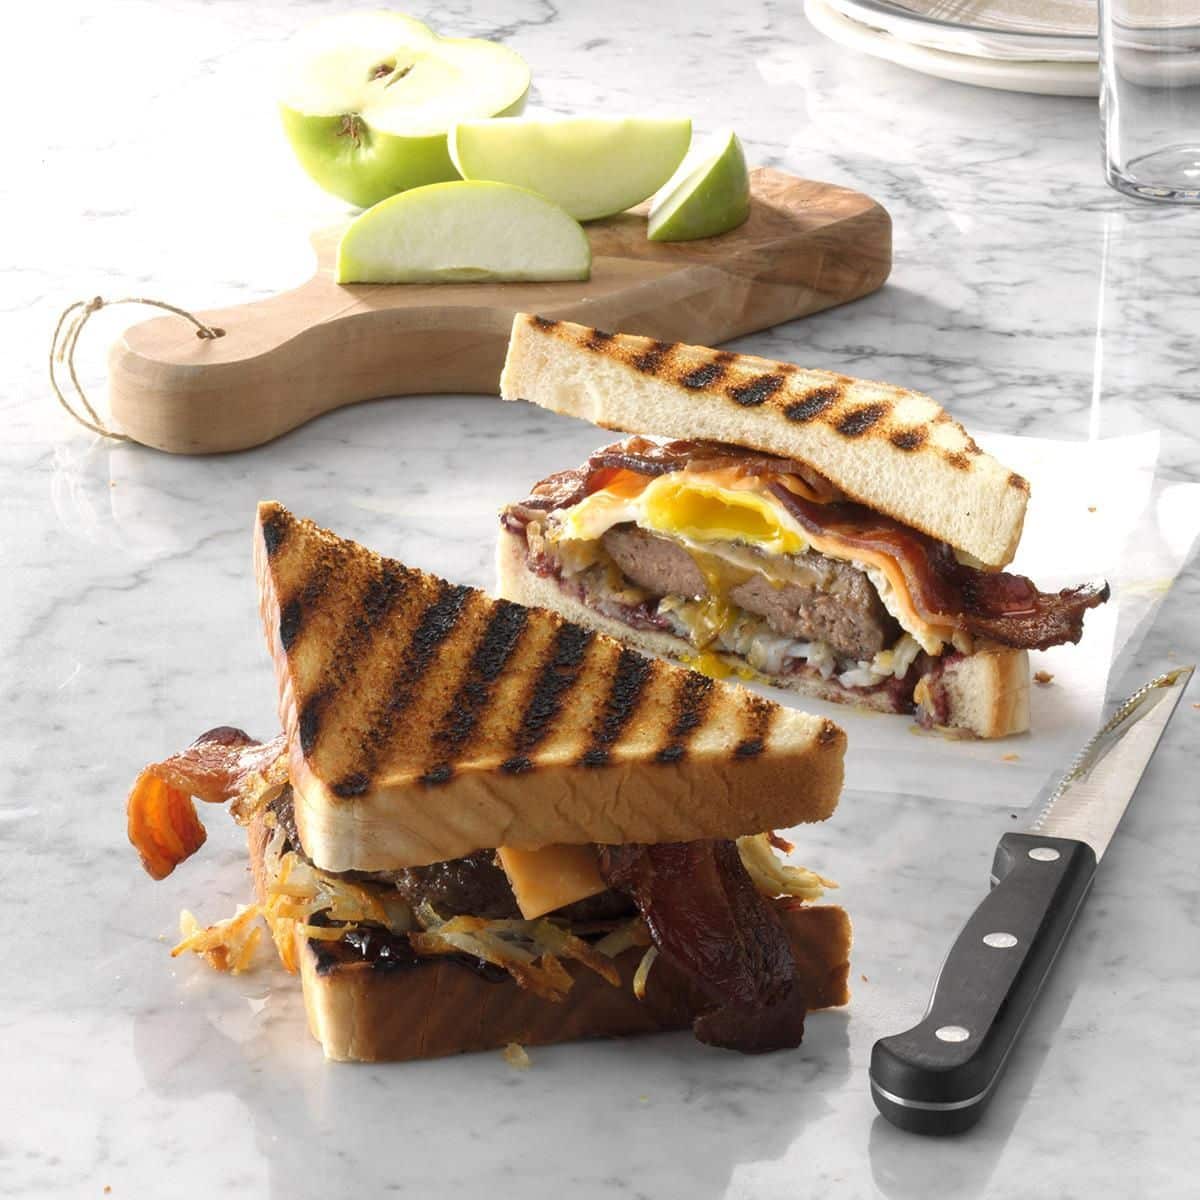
(1096,511)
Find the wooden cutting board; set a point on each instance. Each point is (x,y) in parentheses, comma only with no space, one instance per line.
(284,360)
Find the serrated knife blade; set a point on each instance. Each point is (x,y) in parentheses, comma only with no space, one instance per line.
(1092,796)
(938,1076)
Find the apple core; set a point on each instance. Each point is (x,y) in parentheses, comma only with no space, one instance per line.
(367,99)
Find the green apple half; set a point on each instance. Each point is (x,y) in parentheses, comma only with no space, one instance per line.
(463,232)
(593,167)
(708,195)
(367,98)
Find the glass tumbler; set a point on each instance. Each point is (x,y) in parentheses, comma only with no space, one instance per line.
(1150,98)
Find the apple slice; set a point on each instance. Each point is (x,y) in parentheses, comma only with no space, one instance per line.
(367,98)
(593,167)
(708,195)
(463,232)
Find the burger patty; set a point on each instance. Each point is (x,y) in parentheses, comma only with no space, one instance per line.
(655,563)
(852,621)
(470,886)
(839,606)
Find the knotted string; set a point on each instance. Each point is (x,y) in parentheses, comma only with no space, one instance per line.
(66,338)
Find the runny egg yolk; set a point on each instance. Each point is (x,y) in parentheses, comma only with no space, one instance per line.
(703,512)
(691,508)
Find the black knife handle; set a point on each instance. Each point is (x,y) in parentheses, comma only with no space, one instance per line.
(937,1077)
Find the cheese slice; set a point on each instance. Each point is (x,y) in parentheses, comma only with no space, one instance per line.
(552,877)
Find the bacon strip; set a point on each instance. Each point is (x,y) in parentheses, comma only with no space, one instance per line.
(647,457)
(563,489)
(706,916)
(222,764)
(998,605)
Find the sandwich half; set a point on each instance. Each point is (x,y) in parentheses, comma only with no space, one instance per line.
(486,824)
(841,538)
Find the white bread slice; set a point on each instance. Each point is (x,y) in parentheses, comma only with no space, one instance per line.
(894,450)
(985,693)
(427,721)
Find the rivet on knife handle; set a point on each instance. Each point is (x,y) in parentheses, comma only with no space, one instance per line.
(938,1076)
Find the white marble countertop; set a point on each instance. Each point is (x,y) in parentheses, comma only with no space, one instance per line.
(1026,296)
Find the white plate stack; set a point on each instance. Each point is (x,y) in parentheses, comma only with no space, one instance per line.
(1044,46)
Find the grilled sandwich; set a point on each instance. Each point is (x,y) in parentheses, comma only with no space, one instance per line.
(838,537)
(554,836)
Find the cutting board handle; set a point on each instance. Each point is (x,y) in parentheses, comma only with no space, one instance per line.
(286,359)
(283,360)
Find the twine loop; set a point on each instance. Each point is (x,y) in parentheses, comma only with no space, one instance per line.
(66,338)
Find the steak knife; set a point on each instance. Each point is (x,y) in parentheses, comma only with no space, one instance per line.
(938,1077)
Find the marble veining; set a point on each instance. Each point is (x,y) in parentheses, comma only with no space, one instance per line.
(1026,297)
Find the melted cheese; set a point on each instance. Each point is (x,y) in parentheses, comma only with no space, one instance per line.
(552,877)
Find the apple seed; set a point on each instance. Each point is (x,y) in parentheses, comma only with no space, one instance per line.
(388,71)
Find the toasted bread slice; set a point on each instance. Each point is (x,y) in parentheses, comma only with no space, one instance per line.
(426,721)
(985,693)
(894,450)
(363,1012)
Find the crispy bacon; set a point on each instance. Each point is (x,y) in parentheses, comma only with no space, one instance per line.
(642,455)
(998,605)
(706,916)
(647,457)
(222,764)
(781,844)
(1050,619)
(560,490)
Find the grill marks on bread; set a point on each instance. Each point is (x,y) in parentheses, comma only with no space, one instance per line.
(274,524)
(800,396)
(396,672)
(628,683)
(857,421)
(557,675)
(652,361)
(389,722)
(328,583)
(691,700)
(705,376)
(910,439)
(499,639)
(757,715)
(757,391)
(812,404)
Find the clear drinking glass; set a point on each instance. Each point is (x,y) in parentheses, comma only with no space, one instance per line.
(1150,98)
